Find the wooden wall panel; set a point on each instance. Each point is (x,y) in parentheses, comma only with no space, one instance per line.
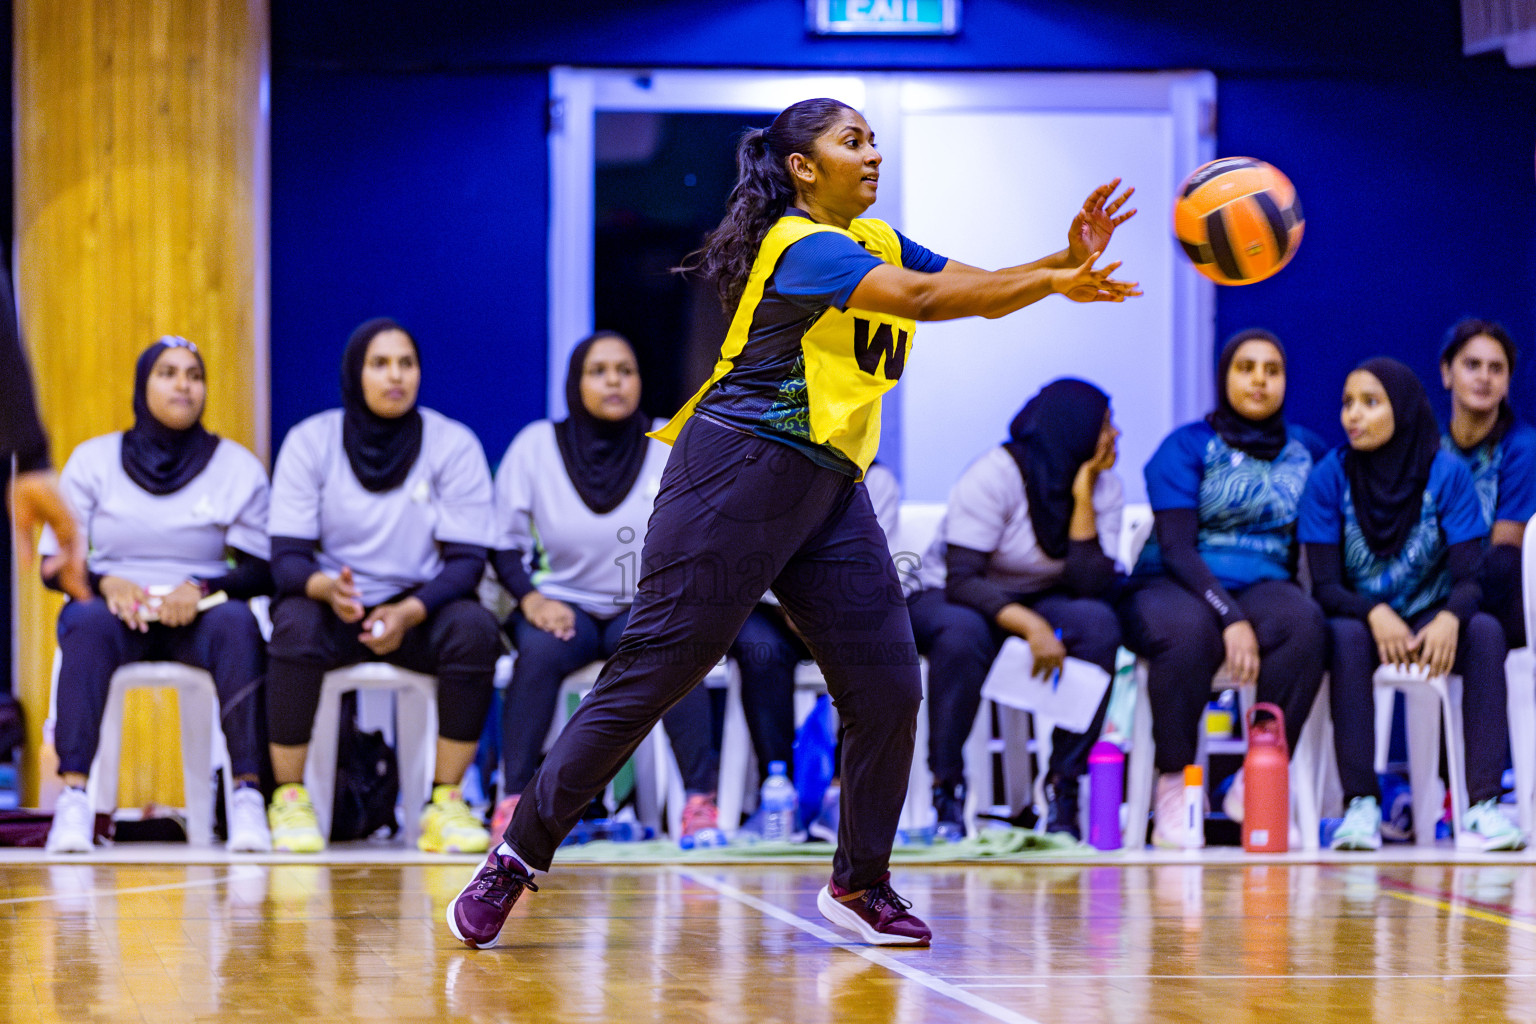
(141,188)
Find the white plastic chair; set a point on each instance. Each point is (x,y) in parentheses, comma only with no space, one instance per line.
(1520,704)
(916,525)
(1306,759)
(738,761)
(1021,784)
(1520,678)
(1429,701)
(415,738)
(658,780)
(202,740)
(1305,768)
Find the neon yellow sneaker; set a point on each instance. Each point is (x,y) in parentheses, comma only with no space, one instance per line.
(449,826)
(292,817)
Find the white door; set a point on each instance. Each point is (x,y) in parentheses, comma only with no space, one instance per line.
(990,168)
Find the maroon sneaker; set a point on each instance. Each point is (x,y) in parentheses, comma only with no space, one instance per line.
(876,914)
(477,913)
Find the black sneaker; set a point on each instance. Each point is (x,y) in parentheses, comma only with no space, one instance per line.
(949,807)
(1061,814)
(477,913)
(876,915)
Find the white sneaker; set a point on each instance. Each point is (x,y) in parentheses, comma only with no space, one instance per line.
(1168,812)
(1485,827)
(1232,803)
(248,831)
(74,823)
(1361,827)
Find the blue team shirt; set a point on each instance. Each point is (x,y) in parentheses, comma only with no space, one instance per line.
(1503,474)
(1417,577)
(1246,507)
(817,272)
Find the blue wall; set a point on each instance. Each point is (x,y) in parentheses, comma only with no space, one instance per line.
(424,198)
(409,167)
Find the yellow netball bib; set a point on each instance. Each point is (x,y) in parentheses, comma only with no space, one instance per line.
(851,357)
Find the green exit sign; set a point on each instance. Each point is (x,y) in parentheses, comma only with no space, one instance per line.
(916,17)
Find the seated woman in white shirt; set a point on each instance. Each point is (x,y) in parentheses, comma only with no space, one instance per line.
(381,517)
(173,515)
(572,502)
(1025,549)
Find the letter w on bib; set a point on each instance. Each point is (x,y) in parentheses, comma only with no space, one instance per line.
(887,344)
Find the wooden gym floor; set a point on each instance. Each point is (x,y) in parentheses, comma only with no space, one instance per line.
(1175,938)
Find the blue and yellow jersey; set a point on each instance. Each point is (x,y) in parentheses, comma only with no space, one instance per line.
(797,365)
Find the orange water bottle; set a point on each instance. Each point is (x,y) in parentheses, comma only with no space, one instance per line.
(1266,784)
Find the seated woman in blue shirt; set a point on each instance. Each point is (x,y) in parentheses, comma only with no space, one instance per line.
(1499,450)
(1215,585)
(1394,534)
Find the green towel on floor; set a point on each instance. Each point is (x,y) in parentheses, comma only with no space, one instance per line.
(989,844)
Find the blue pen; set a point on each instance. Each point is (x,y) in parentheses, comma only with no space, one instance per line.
(1056,676)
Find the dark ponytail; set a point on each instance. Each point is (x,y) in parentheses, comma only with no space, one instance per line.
(763,192)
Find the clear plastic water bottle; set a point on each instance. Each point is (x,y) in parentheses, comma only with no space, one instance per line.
(779,800)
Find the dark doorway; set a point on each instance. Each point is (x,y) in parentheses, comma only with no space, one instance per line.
(661,184)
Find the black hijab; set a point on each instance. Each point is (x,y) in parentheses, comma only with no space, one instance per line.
(158,458)
(381,451)
(1263,439)
(602,457)
(1388,484)
(1051,437)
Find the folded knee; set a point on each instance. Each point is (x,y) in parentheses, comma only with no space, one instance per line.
(470,634)
(88,621)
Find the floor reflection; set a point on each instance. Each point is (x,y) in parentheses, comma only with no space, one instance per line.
(1170,941)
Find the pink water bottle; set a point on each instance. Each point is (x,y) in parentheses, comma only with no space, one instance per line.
(1106,784)
(1266,784)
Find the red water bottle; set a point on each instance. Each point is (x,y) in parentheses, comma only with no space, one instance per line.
(1266,784)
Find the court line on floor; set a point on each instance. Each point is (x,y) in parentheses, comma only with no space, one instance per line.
(870,953)
(1449,907)
(238,874)
(1501,909)
(1059,976)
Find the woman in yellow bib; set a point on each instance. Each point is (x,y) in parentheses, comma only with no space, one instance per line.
(763,490)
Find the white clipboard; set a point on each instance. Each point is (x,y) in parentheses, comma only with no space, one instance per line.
(1069,702)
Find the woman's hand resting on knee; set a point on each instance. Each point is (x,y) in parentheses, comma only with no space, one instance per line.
(1395,642)
(339,591)
(1242,644)
(554,617)
(127,600)
(1437,643)
(385,627)
(1045,646)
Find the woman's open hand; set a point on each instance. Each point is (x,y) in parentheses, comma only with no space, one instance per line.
(35,500)
(1083,283)
(1095,223)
